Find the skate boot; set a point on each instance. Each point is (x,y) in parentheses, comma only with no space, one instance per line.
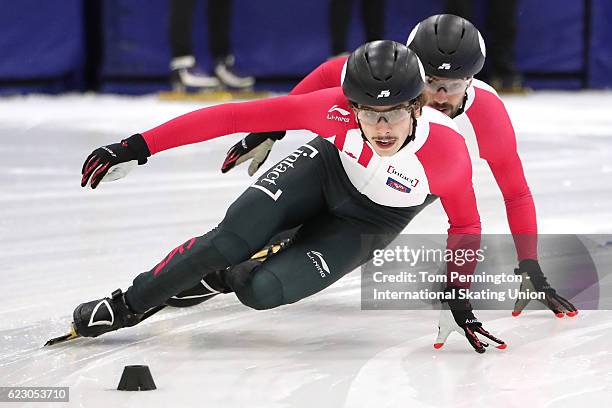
(186,75)
(214,283)
(224,70)
(100,316)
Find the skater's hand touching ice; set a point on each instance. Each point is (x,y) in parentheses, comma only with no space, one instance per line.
(255,146)
(457,315)
(535,281)
(112,162)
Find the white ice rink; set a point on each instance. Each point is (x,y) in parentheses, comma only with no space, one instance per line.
(62,245)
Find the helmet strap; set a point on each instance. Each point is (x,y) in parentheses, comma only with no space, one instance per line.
(462,107)
(365,139)
(413,133)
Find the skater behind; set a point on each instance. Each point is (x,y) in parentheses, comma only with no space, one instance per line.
(452,51)
(186,74)
(379,160)
(501,24)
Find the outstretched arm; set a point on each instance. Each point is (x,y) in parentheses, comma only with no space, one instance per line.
(449,172)
(520,208)
(497,143)
(463,238)
(288,112)
(284,112)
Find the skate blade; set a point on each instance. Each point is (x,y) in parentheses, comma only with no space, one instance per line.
(74,335)
(213,95)
(264,253)
(70,336)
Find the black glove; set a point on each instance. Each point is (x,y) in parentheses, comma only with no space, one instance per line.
(256,146)
(112,162)
(457,315)
(535,281)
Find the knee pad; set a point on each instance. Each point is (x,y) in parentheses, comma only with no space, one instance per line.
(233,247)
(217,250)
(258,288)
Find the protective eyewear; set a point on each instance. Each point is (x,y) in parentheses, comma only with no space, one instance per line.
(391,116)
(451,86)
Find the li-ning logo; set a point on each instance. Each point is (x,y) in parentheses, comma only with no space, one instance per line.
(384,94)
(319,263)
(445,65)
(396,185)
(341,111)
(267,183)
(413,182)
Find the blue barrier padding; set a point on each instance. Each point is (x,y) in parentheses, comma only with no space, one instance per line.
(273,38)
(600,52)
(40,39)
(549,37)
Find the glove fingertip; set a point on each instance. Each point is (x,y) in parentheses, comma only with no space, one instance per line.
(572,314)
(87,160)
(502,346)
(252,170)
(515,313)
(227,166)
(560,315)
(438,346)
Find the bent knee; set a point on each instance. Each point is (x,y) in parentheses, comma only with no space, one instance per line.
(262,291)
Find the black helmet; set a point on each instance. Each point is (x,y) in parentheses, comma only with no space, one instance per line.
(449,46)
(382,73)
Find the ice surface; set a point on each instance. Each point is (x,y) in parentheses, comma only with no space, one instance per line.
(62,245)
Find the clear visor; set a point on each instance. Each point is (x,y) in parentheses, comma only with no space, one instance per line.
(391,116)
(450,86)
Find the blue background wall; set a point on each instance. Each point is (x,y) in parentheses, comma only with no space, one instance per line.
(41,40)
(46,39)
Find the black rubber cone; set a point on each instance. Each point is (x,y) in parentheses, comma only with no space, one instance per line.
(136,378)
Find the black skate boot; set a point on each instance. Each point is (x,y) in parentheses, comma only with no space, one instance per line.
(101,316)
